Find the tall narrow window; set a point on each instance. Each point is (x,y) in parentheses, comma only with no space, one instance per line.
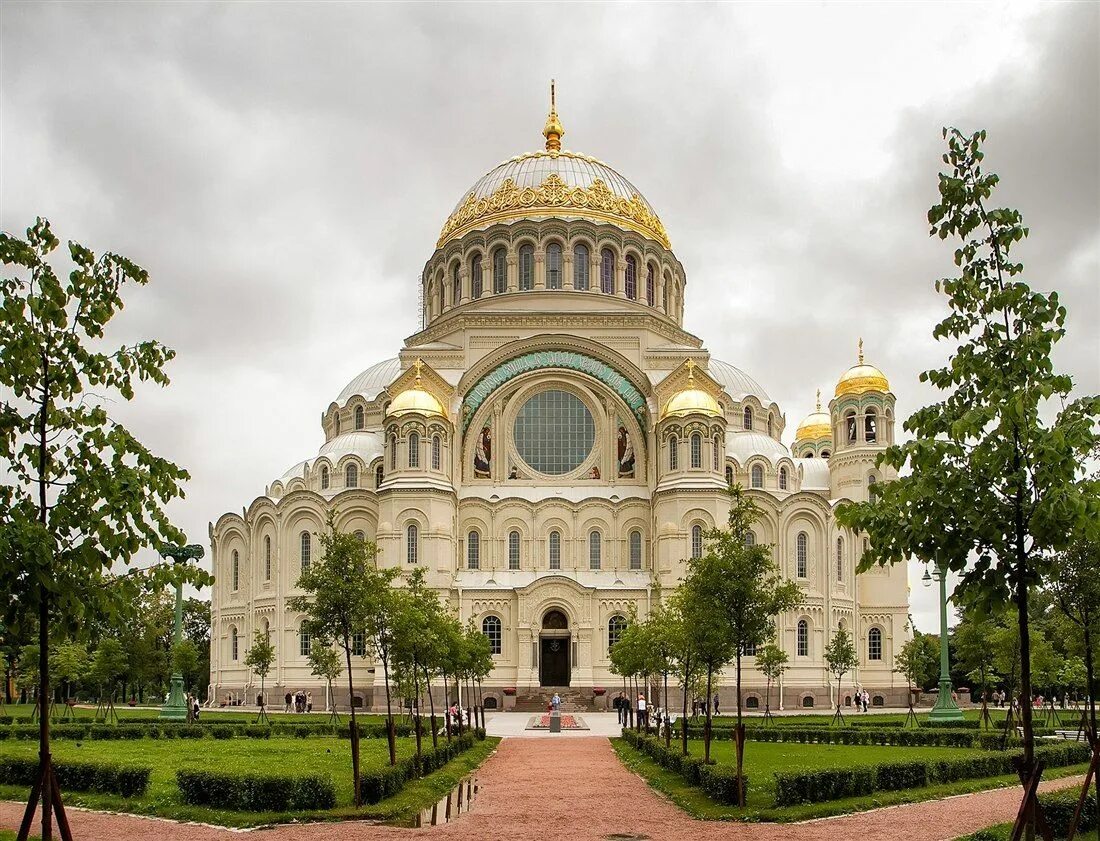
(490,626)
(715,454)
(351,476)
(631,277)
(870,427)
(456,284)
(500,271)
(747,418)
(595,548)
(324,477)
(306,542)
(729,475)
(473,550)
(696,541)
(635,549)
(393,452)
(236,570)
(437,452)
(782,478)
(750,538)
(840,559)
(234,645)
(667,293)
(850,426)
(616,626)
(303,643)
(513,550)
(360,417)
(359,645)
(553,266)
(874,644)
(803,638)
(526,268)
(696,451)
(267,557)
(580,267)
(475,277)
(800,554)
(607,271)
(757,476)
(771,425)
(412,544)
(673,453)
(379,475)
(414,450)
(554,549)
(650,284)
(336,423)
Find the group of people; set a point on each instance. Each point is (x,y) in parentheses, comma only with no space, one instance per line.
(645,716)
(700,706)
(299,702)
(860,699)
(192,707)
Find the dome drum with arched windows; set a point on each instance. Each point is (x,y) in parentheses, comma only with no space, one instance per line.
(551,447)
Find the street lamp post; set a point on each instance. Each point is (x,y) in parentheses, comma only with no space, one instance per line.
(945,708)
(175,708)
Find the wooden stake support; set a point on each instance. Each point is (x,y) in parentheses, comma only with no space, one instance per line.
(45,786)
(1093,771)
(1030,808)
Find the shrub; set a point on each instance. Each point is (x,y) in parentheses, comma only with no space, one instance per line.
(103,777)
(256,792)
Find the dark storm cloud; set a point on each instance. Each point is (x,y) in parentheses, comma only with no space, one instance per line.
(283,171)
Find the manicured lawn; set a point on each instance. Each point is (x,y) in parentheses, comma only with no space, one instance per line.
(324,755)
(236,715)
(763,759)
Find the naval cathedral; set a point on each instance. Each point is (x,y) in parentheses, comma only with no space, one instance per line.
(551,447)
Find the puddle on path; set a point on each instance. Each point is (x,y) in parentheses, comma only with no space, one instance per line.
(458,801)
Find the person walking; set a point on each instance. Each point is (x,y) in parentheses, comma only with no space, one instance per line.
(286,702)
(555,702)
(716,703)
(866,697)
(643,713)
(309,702)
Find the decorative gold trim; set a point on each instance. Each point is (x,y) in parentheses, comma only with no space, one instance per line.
(553,197)
(861,385)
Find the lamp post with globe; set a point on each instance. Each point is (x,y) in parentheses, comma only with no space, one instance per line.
(945,708)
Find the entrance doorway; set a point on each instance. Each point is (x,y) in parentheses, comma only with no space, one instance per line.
(554,640)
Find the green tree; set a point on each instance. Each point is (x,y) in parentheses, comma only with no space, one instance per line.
(772,661)
(69,664)
(918,662)
(260,657)
(85,494)
(663,630)
(109,664)
(324,661)
(414,639)
(988,485)
(840,658)
(185,660)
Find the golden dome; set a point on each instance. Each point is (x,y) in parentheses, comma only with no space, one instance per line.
(415,399)
(691,401)
(815,425)
(861,378)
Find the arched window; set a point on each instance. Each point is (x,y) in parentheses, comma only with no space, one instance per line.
(412,544)
(850,425)
(800,554)
(616,625)
(715,453)
(824,453)
(673,453)
(490,626)
(580,267)
(513,550)
(746,418)
(360,417)
(554,549)
(635,541)
(267,557)
(379,475)
(729,475)
(607,271)
(870,426)
(840,559)
(874,644)
(650,284)
(553,266)
(757,476)
(595,549)
(473,550)
(306,542)
(393,452)
(631,277)
(782,478)
(475,276)
(303,643)
(771,424)
(414,449)
(236,570)
(456,285)
(324,477)
(361,536)
(803,638)
(871,479)
(526,268)
(234,644)
(351,476)
(750,538)
(696,541)
(437,452)
(667,293)
(696,451)
(500,271)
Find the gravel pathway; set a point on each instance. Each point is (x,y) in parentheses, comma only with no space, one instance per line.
(536,788)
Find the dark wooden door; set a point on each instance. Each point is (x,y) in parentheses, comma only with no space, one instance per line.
(554,661)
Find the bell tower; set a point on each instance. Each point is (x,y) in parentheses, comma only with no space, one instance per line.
(862,417)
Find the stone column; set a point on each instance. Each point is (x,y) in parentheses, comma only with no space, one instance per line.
(513,271)
(567,269)
(620,279)
(464,284)
(594,271)
(540,268)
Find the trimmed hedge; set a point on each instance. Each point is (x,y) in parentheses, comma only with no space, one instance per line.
(837,783)
(1058,809)
(864,736)
(718,781)
(103,777)
(379,783)
(256,792)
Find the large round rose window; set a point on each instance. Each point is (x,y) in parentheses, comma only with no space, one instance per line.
(554,432)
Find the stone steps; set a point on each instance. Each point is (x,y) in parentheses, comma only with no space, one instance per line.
(572,700)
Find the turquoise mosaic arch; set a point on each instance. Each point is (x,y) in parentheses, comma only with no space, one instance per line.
(539,360)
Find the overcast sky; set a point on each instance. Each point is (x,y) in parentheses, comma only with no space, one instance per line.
(283,170)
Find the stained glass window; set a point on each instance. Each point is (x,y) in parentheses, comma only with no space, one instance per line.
(554,432)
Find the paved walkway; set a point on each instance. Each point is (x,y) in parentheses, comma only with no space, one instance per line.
(534,788)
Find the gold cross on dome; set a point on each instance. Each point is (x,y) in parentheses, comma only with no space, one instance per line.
(860,350)
(418,364)
(691,366)
(818,400)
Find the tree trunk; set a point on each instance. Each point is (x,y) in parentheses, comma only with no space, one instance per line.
(1025,673)
(1093,688)
(431,705)
(416,701)
(353,728)
(740,739)
(706,725)
(668,727)
(684,717)
(390,735)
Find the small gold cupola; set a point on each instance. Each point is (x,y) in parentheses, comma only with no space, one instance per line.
(861,378)
(415,400)
(553,131)
(815,425)
(691,400)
